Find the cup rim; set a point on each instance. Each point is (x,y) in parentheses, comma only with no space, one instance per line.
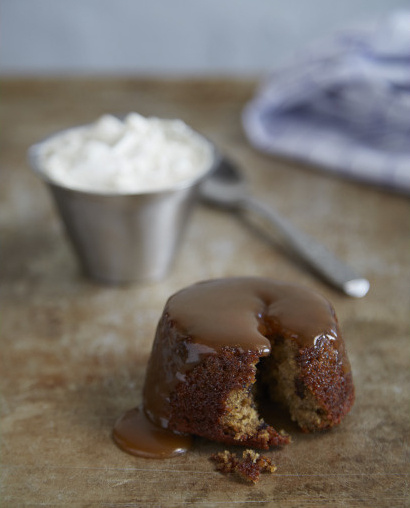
(33,155)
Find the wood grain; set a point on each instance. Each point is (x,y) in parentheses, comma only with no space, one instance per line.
(73,353)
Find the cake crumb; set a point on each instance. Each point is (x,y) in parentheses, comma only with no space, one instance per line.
(249,467)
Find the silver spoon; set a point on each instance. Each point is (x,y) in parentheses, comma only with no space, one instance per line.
(226,187)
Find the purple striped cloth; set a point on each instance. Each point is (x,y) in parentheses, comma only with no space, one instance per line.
(344,106)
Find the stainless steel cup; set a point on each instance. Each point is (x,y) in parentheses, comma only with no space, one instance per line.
(122,238)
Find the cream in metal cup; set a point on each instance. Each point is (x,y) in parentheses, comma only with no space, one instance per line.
(124,237)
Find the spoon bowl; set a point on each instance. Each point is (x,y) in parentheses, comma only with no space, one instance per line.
(225,187)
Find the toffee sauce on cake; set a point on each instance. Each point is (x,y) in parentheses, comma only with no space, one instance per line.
(237,312)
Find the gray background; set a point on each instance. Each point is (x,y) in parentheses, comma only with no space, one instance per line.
(168,36)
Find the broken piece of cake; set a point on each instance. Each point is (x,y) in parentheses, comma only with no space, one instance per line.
(249,467)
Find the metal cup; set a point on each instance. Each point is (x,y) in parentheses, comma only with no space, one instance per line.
(122,238)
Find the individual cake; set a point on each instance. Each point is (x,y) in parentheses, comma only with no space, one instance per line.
(221,341)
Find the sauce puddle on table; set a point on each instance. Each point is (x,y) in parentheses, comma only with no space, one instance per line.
(136,434)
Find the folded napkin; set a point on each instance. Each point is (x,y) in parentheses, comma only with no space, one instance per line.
(344,106)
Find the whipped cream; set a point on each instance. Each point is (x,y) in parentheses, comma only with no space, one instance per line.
(132,155)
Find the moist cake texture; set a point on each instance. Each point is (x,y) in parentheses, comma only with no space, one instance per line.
(219,342)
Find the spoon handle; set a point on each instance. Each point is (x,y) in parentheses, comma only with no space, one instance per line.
(312,252)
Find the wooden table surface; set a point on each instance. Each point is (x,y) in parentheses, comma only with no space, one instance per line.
(73,353)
